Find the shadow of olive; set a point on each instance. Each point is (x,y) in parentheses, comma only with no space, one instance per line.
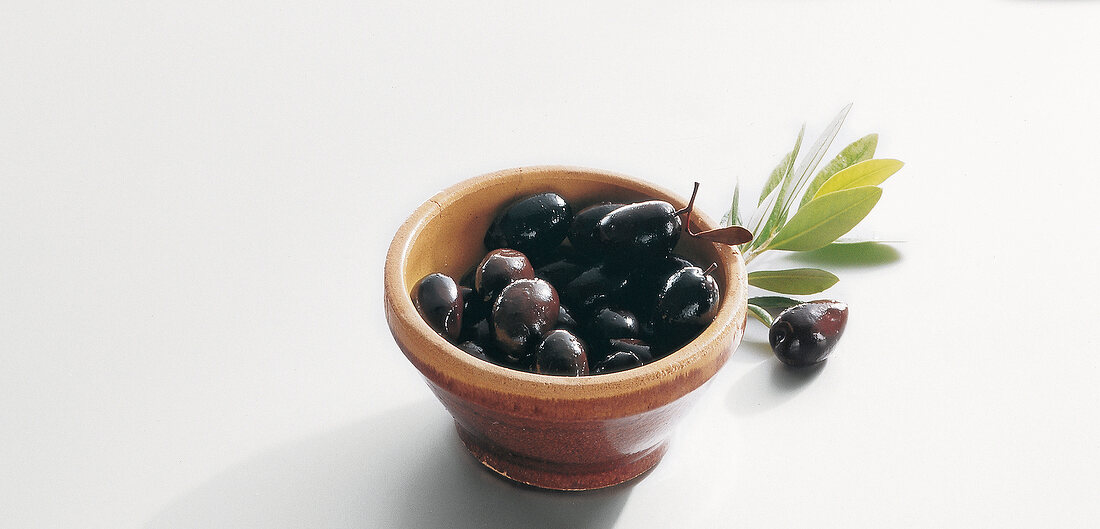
(768,385)
(402,469)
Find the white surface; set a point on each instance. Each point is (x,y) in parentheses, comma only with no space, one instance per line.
(195,200)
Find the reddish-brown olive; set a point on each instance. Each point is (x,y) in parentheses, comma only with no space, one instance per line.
(805,334)
(523,314)
(498,268)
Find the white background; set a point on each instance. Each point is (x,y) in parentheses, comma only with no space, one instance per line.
(196,198)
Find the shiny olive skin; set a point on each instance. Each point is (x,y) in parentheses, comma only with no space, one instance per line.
(534,225)
(617,361)
(644,283)
(639,348)
(561,353)
(565,319)
(686,304)
(498,268)
(594,288)
(805,334)
(523,314)
(439,302)
(642,231)
(474,349)
(559,273)
(607,324)
(584,233)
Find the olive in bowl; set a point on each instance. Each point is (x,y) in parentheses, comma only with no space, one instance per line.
(556,432)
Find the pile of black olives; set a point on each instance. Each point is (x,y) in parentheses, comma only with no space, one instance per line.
(564,293)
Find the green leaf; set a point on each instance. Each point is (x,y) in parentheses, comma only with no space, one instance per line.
(733,216)
(792,187)
(857,151)
(776,177)
(868,173)
(774,204)
(793,281)
(760,314)
(771,303)
(825,218)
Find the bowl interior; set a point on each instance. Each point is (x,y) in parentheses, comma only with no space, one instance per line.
(451,241)
(446,235)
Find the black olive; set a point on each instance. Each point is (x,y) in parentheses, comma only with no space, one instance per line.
(594,288)
(641,231)
(561,353)
(617,361)
(535,225)
(645,282)
(607,324)
(474,350)
(559,273)
(523,314)
(686,304)
(565,319)
(438,301)
(805,334)
(640,348)
(584,233)
(498,268)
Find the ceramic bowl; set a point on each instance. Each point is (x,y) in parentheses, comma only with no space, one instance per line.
(565,433)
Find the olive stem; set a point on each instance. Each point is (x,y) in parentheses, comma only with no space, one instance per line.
(690,206)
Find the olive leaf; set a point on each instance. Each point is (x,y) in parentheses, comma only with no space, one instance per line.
(772,206)
(825,218)
(760,314)
(817,152)
(794,182)
(733,216)
(730,235)
(793,281)
(857,151)
(867,173)
(773,303)
(777,175)
(757,221)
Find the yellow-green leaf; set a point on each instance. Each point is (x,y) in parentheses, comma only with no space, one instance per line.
(793,281)
(868,173)
(857,151)
(825,218)
(760,314)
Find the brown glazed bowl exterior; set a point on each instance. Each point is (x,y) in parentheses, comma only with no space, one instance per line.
(565,433)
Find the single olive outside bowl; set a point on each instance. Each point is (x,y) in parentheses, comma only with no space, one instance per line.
(554,432)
